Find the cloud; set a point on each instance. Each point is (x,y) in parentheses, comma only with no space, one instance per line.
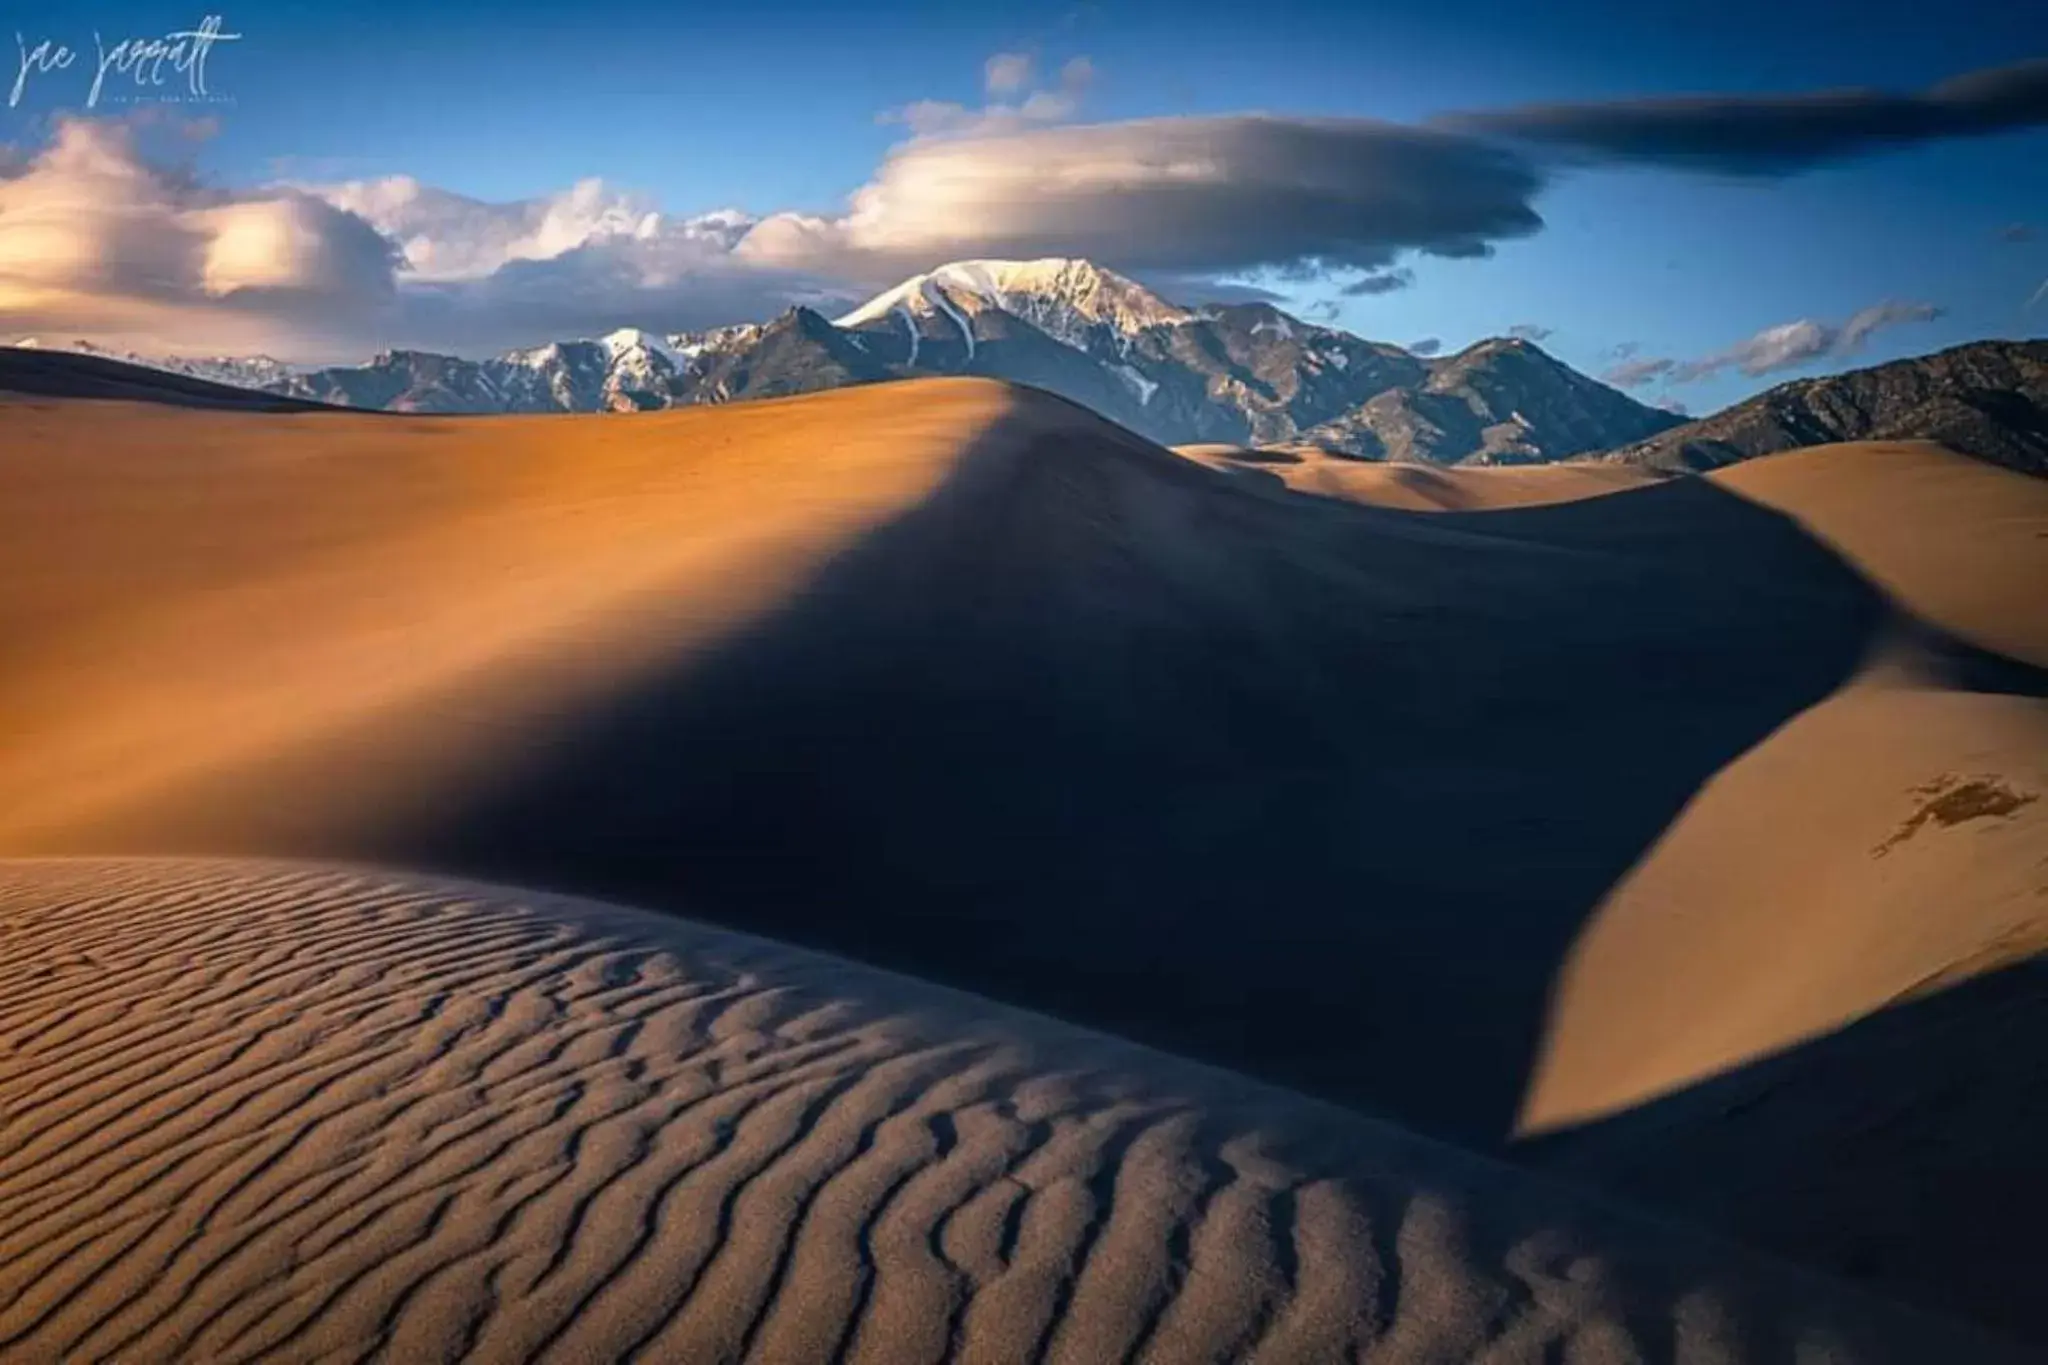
(1772,135)
(486,276)
(1672,405)
(1217,195)
(1322,310)
(1428,346)
(447,236)
(1384,282)
(2017,232)
(1530,331)
(1635,374)
(1200,290)
(1005,76)
(1623,350)
(1786,346)
(99,242)
(94,237)
(1006,73)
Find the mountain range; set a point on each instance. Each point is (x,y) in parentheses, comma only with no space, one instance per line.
(1988,399)
(1242,374)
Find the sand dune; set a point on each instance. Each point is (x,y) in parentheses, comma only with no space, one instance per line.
(1474,819)
(1957,541)
(1883,848)
(845,668)
(186,591)
(66,374)
(1886,843)
(1417,487)
(1891,839)
(258,1111)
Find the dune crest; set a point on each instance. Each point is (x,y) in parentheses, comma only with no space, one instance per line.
(168,578)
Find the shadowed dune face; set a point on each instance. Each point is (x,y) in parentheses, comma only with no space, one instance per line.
(63,374)
(480,1124)
(953,679)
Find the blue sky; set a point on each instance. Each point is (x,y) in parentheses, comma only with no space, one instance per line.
(773,107)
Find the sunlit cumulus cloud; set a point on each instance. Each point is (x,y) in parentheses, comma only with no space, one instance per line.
(92,236)
(446,236)
(1783,347)
(98,242)
(1179,194)
(484,276)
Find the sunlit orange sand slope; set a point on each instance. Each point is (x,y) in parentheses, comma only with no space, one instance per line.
(258,1111)
(1418,487)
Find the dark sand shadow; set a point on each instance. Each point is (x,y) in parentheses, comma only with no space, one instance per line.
(1317,792)
(61,374)
(1902,1151)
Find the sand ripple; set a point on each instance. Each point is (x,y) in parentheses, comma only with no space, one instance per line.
(262,1110)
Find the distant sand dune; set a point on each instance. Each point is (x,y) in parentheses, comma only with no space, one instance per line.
(1418,487)
(257,1111)
(1957,541)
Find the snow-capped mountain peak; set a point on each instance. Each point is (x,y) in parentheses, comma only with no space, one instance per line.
(1065,298)
(627,340)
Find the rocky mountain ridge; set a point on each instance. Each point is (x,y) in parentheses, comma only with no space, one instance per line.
(1243,373)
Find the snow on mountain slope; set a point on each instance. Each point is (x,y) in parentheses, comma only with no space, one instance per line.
(1237,373)
(1066,299)
(246,372)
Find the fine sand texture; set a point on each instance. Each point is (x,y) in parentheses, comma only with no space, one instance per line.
(263,1111)
(1538,819)
(1417,487)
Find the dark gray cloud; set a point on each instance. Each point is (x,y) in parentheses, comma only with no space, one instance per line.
(1634,374)
(1322,310)
(1530,331)
(1224,194)
(1428,346)
(1382,282)
(2017,232)
(1672,405)
(1770,135)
